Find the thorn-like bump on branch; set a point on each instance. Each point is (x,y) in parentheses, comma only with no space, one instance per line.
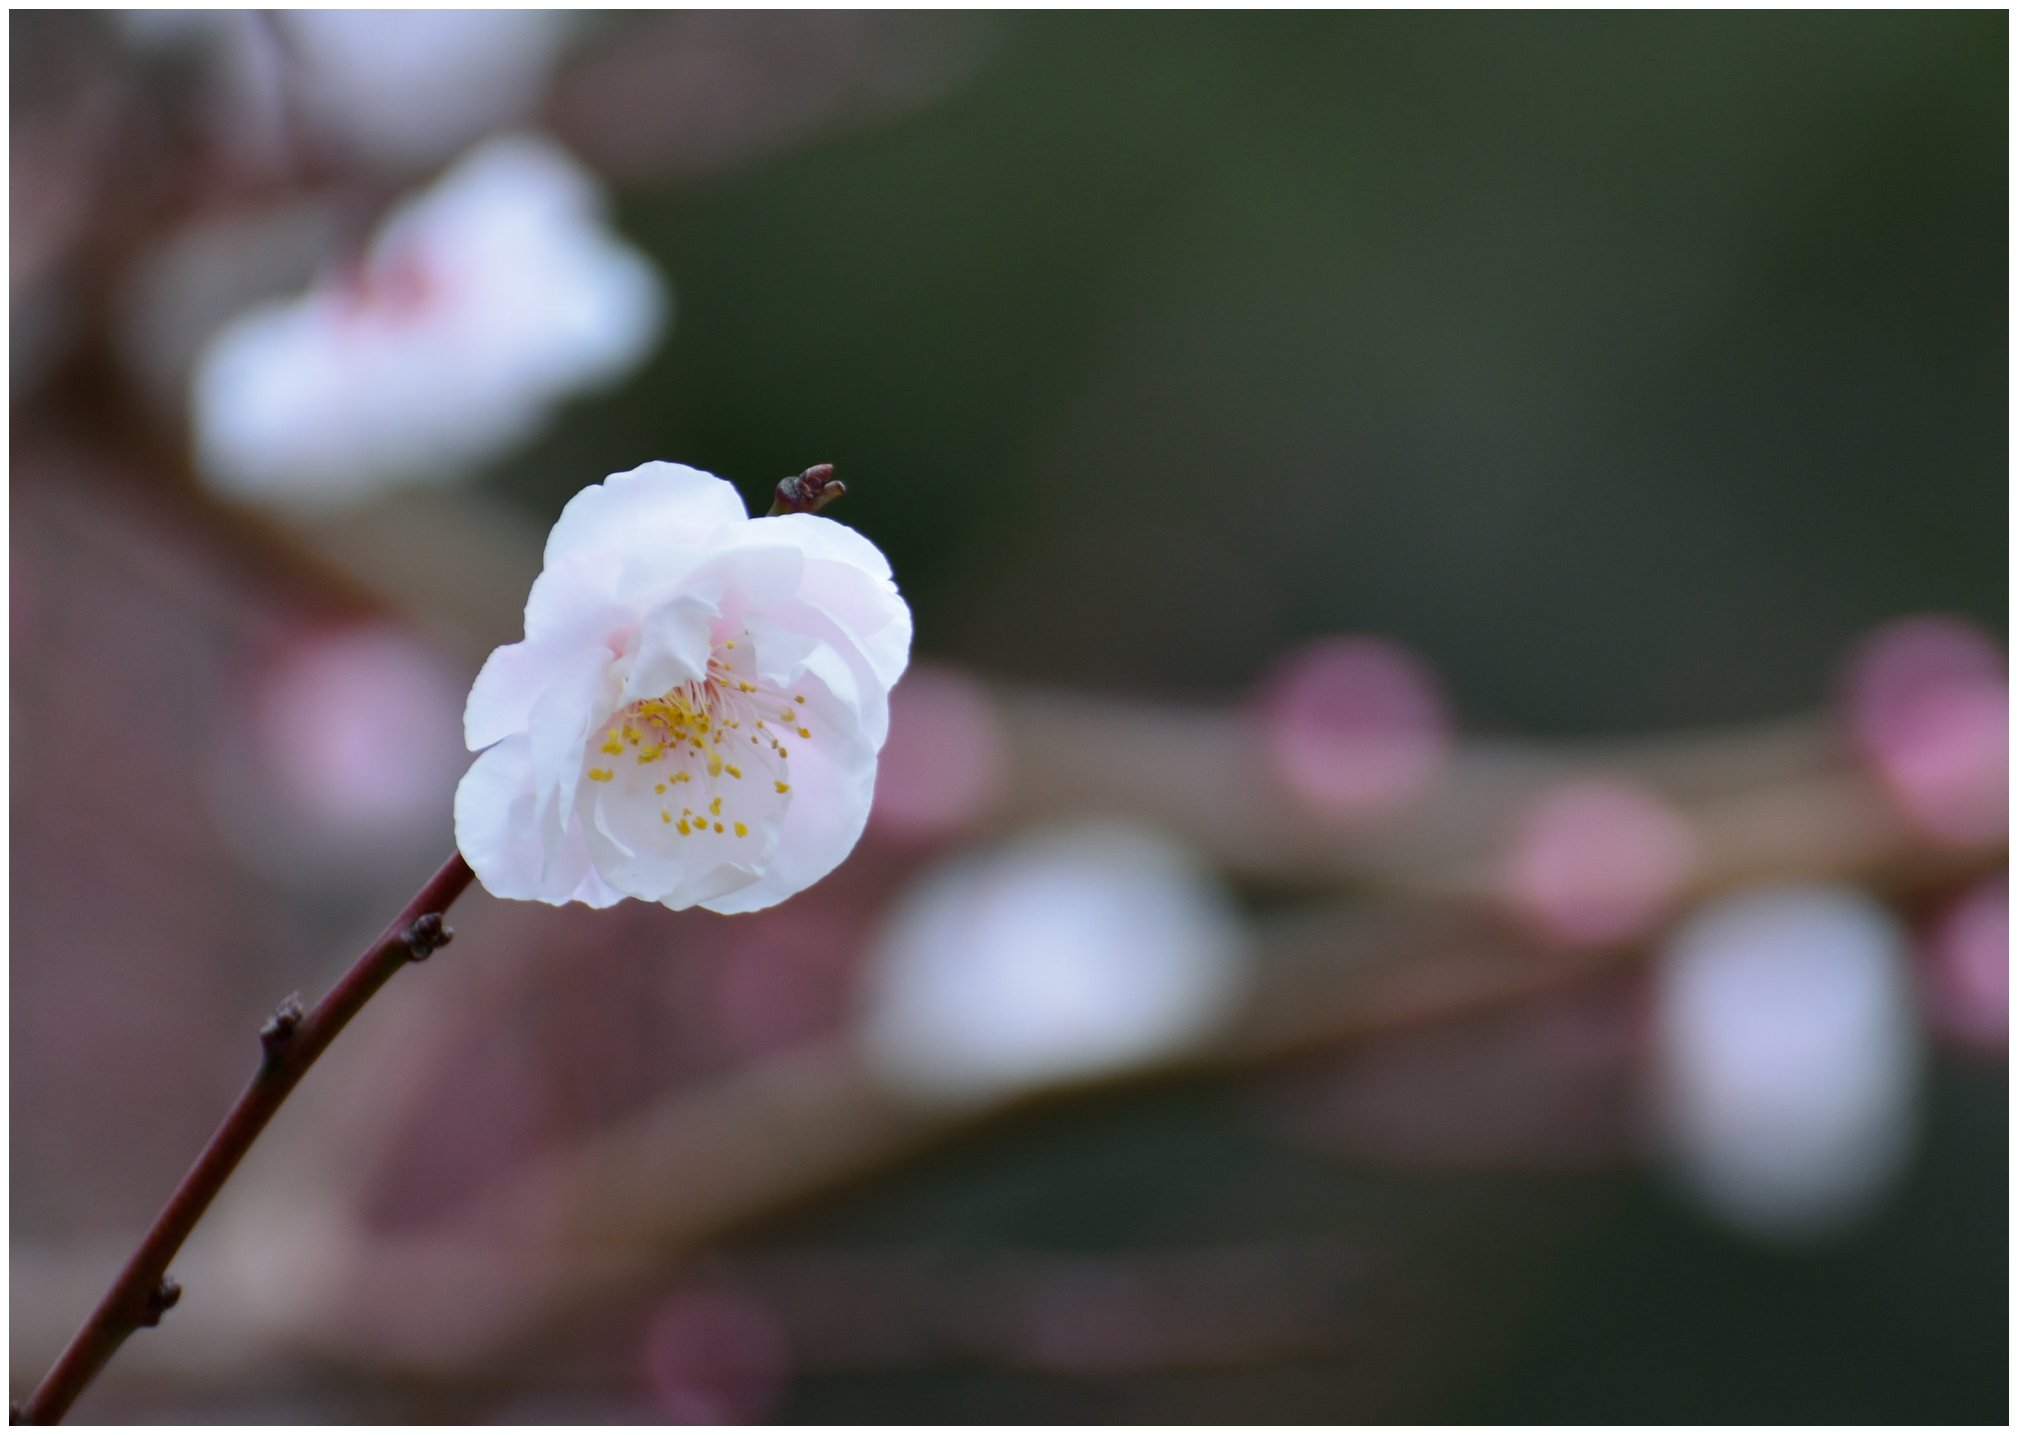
(428,935)
(280,1027)
(161,1301)
(808,492)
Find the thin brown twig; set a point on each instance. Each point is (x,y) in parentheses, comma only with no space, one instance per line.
(291,1042)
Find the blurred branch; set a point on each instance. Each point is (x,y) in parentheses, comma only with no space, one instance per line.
(596,1225)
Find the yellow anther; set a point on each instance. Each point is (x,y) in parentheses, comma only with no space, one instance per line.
(683,829)
(782,752)
(742,831)
(599,774)
(804,733)
(747,687)
(715,808)
(782,786)
(718,827)
(714,764)
(665,816)
(660,788)
(787,714)
(798,697)
(613,746)
(732,769)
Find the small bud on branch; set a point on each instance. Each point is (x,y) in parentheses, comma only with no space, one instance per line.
(808,492)
(428,935)
(279,1028)
(161,1300)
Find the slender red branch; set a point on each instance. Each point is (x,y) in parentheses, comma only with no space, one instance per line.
(291,1042)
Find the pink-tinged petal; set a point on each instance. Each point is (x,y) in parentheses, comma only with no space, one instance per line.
(501,700)
(848,578)
(653,505)
(575,602)
(497,834)
(833,779)
(843,668)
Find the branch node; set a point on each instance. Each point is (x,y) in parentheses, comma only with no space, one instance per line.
(808,492)
(161,1300)
(280,1027)
(428,935)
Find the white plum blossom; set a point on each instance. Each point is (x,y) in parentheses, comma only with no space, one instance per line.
(694,715)
(479,305)
(1073,953)
(1787,1059)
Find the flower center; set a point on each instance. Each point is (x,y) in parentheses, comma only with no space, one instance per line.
(714,752)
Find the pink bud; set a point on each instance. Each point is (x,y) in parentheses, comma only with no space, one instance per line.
(1928,709)
(1966,969)
(1596,862)
(1353,727)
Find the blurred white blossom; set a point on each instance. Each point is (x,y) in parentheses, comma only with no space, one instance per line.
(1071,954)
(1788,1059)
(414,86)
(395,89)
(480,304)
(694,715)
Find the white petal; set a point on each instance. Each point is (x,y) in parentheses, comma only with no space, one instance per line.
(673,644)
(652,505)
(848,578)
(833,778)
(495,830)
(839,663)
(635,832)
(574,704)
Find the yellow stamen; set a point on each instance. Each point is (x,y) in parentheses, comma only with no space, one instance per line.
(598,774)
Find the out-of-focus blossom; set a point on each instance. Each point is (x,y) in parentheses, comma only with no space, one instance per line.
(944,765)
(1595,862)
(1353,727)
(344,757)
(1787,1059)
(398,89)
(1929,707)
(479,306)
(717,1355)
(1966,969)
(694,715)
(410,87)
(1069,955)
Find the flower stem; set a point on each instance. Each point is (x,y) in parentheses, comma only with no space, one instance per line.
(291,1042)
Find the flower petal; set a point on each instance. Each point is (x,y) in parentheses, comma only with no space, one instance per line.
(495,830)
(653,505)
(833,778)
(848,578)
